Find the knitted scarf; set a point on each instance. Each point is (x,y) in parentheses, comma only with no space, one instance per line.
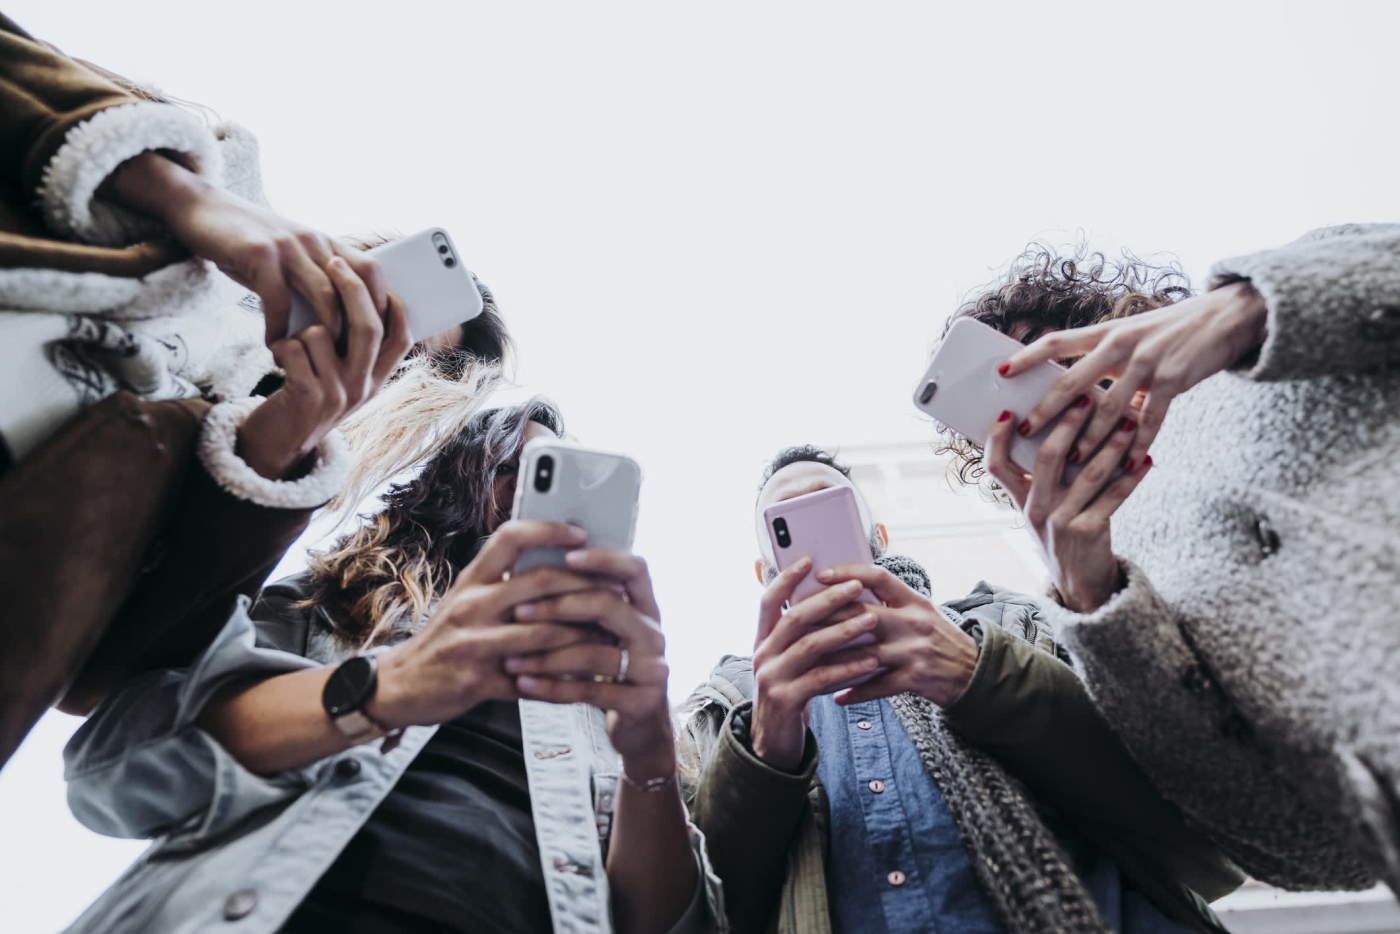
(1023,870)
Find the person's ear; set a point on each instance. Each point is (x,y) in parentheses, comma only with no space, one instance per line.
(883,534)
(758,570)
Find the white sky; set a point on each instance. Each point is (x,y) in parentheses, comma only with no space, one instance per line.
(719,229)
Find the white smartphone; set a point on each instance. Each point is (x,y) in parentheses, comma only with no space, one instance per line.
(561,482)
(427,274)
(963,390)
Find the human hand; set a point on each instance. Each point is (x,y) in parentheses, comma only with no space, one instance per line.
(253,246)
(322,387)
(455,661)
(799,655)
(622,605)
(1071,523)
(922,651)
(1162,353)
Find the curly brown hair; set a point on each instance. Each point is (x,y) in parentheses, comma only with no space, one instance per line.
(1048,290)
(384,576)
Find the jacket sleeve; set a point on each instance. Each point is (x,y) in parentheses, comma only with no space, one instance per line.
(1333,301)
(1181,730)
(67,127)
(748,812)
(1032,713)
(141,766)
(192,581)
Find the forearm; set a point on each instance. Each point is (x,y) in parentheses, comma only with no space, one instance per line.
(651,866)
(275,724)
(156,185)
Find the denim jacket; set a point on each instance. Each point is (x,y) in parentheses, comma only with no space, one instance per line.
(235,851)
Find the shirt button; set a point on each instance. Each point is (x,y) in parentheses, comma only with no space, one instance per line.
(864,724)
(347,768)
(896,878)
(877,786)
(240,904)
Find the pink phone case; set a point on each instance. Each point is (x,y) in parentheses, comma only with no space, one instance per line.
(826,527)
(963,390)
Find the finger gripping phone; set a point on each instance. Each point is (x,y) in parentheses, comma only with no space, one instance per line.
(427,274)
(594,490)
(963,390)
(826,527)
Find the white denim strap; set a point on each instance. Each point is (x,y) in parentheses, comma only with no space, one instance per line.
(556,763)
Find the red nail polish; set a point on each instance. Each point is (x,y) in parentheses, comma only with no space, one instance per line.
(1024,428)
(1128,465)
(1074,456)
(1003,416)
(1147,460)
(1081,402)
(1003,368)
(1128,424)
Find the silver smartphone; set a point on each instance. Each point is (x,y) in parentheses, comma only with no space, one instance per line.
(427,274)
(594,490)
(963,390)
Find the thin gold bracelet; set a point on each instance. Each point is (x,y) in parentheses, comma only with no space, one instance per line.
(650,785)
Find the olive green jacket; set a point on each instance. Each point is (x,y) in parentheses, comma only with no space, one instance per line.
(767,829)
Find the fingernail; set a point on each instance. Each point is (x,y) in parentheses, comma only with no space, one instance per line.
(1147,460)
(867,620)
(869,662)
(1128,465)
(1004,369)
(826,575)
(1081,402)
(1004,416)
(574,558)
(1074,456)
(525,611)
(514,663)
(527,683)
(577,534)
(1127,424)
(1024,428)
(853,587)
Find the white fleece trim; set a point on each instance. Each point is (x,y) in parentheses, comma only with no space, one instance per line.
(216,451)
(92,150)
(182,288)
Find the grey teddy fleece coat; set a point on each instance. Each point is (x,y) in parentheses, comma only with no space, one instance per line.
(1252,662)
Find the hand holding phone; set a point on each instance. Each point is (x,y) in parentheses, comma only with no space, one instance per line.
(594,490)
(427,274)
(826,527)
(963,389)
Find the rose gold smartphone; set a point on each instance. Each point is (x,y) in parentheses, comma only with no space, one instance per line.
(826,527)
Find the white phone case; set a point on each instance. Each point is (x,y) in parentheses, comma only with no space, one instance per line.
(428,274)
(591,489)
(963,390)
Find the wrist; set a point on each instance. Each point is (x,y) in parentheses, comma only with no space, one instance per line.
(648,766)
(157,186)
(387,706)
(1247,314)
(778,745)
(262,446)
(958,669)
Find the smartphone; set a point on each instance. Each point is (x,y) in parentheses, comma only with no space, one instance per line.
(561,482)
(963,390)
(826,527)
(427,274)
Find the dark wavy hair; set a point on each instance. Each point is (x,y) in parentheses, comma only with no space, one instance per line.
(800,454)
(389,572)
(1047,290)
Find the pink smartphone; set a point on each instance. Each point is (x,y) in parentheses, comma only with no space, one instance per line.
(963,390)
(826,527)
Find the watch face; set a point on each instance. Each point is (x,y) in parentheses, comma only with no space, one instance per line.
(349,686)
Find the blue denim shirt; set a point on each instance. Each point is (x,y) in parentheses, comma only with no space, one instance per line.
(897,861)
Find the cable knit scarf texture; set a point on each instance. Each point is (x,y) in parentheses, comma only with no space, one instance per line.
(1023,870)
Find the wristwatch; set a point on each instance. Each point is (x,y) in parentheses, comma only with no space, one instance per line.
(347,691)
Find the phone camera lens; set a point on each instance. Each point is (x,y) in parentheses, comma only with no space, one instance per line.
(928,392)
(544,473)
(442,248)
(449,262)
(780,532)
